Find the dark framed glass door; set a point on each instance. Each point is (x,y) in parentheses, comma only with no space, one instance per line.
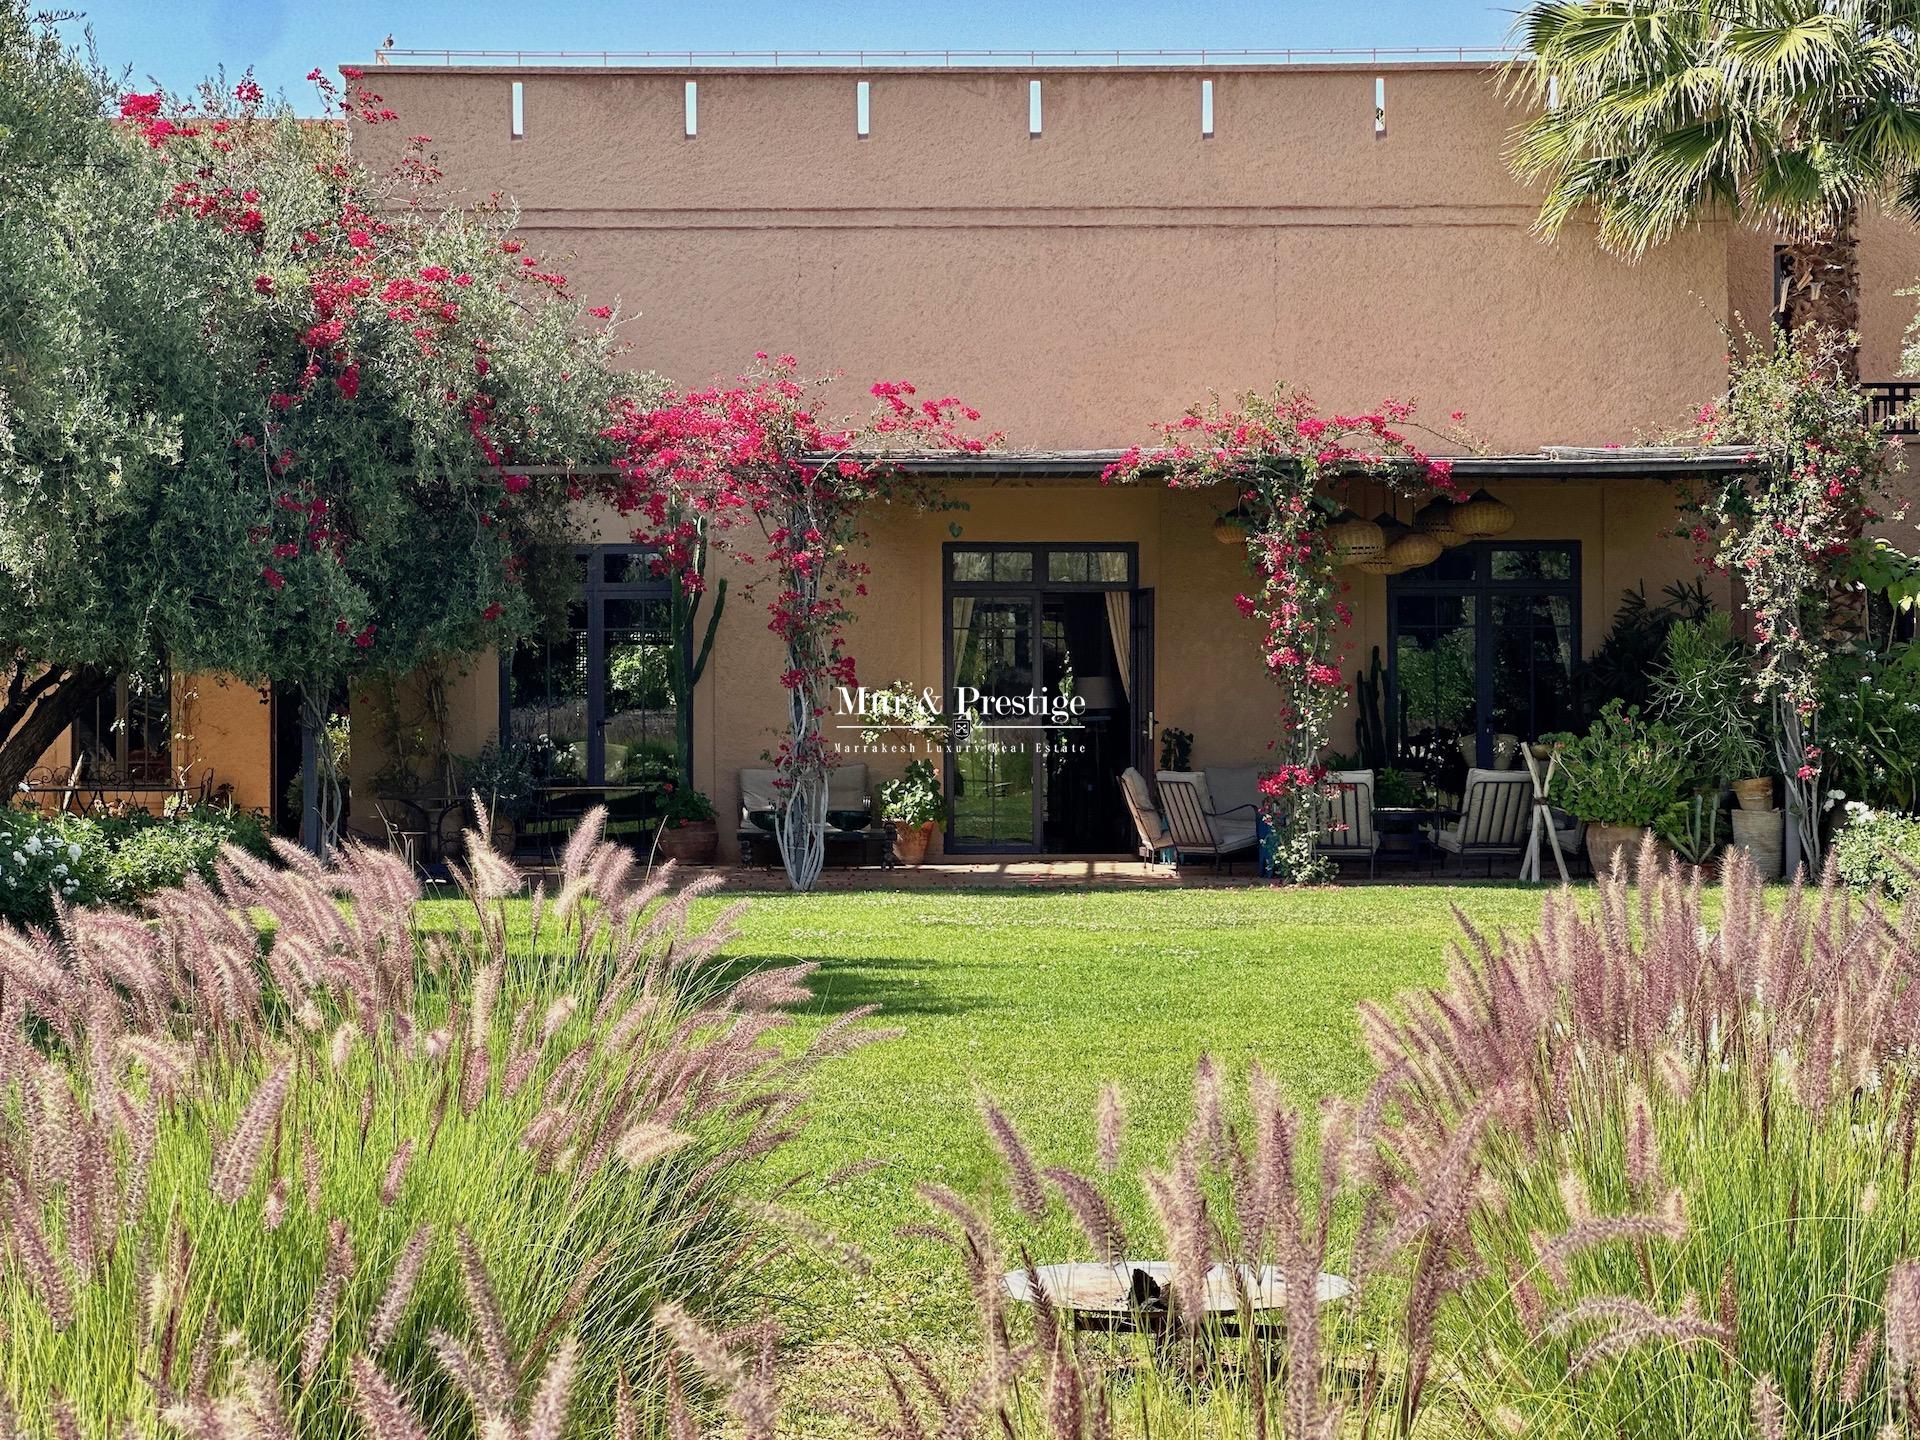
(1482,643)
(1047,687)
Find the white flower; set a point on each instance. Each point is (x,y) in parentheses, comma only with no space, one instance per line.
(60,869)
(73,852)
(18,858)
(33,844)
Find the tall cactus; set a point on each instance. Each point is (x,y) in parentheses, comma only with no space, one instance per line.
(1370,730)
(689,663)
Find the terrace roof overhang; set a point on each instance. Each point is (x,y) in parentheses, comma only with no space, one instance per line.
(1557,462)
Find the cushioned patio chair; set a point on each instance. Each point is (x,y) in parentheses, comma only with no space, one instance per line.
(1154,844)
(1198,828)
(1496,807)
(1346,819)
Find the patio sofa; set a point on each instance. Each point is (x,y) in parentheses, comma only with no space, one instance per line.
(849,814)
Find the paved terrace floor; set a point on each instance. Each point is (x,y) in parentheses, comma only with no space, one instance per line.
(1062,872)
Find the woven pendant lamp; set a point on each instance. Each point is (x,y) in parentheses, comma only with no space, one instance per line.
(1354,541)
(1413,548)
(1480,516)
(1392,532)
(1435,518)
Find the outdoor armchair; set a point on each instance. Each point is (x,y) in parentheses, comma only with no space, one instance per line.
(1149,826)
(1496,807)
(1197,827)
(1346,819)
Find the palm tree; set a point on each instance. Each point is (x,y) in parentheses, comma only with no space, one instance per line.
(1786,114)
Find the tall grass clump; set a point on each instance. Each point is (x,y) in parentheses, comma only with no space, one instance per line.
(1693,1209)
(1631,1176)
(273,1162)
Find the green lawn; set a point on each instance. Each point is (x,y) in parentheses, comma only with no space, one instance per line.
(1036,998)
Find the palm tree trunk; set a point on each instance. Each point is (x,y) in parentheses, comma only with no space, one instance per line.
(1822,287)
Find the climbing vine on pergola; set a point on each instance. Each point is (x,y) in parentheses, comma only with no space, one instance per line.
(1289,466)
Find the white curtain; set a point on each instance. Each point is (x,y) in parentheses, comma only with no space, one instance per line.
(1120,628)
(962,633)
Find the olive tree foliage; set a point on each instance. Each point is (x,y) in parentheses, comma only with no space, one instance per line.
(95,326)
(267,412)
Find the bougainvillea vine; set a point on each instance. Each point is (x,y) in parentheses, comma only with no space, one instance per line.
(784,493)
(1786,527)
(1289,466)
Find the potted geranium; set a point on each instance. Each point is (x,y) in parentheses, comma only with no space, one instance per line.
(916,805)
(688,833)
(1621,776)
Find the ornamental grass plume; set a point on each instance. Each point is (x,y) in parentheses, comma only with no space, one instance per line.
(1691,1208)
(278,1149)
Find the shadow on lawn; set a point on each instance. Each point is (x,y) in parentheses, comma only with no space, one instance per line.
(840,985)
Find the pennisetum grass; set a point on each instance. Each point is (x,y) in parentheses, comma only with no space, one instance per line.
(273,1163)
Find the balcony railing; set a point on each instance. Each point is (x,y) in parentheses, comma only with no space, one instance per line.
(1892,401)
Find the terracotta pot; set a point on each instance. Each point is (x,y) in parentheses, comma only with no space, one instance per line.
(910,842)
(693,842)
(1754,794)
(1606,841)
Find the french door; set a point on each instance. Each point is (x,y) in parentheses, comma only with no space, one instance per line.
(1482,643)
(593,695)
(1049,674)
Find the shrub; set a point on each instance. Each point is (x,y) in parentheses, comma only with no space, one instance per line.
(1704,693)
(112,859)
(343,1166)
(1878,850)
(1870,726)
(1624,770)
(916,798)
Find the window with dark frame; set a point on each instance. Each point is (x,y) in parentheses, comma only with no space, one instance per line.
(1482,643)
(593,694)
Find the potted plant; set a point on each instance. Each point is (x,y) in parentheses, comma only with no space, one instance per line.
(688,833)
(1704,693)
(1693,829)
(916,805)
(1620,778)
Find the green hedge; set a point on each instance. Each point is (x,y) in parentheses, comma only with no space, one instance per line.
(112,860)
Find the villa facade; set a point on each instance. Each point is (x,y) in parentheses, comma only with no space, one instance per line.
(1077,253)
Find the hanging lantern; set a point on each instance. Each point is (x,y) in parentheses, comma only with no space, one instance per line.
(1230,527)
(1392,532)
(1353,540)
(1480,516)
(1414,549)
(1435,518)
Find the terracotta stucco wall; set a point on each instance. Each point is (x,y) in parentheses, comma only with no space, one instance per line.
(1075,285)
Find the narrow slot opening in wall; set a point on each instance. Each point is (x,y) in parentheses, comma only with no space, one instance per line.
(1206,108)
(863,109)
(519,120)
(1033,108)
(1379,105)
(693,108)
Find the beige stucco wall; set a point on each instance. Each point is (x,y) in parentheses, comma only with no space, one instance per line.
(219,724)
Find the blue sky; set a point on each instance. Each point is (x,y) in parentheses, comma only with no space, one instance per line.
(181,41)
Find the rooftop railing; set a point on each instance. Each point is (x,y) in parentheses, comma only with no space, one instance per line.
(1894,402)
(944,59)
